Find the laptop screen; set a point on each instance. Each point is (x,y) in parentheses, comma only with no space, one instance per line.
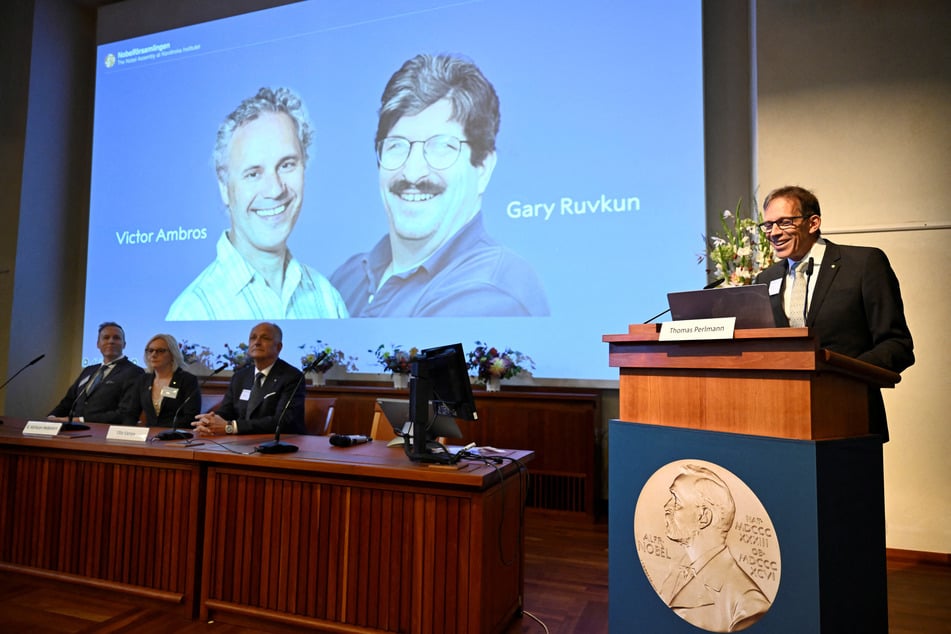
(749,304)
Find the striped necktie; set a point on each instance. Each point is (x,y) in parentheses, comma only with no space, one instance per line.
(97,378)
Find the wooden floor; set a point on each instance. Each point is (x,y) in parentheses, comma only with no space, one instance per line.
(566,587)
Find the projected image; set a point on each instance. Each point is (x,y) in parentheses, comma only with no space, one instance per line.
(260,155)
(435,146)
(381,175)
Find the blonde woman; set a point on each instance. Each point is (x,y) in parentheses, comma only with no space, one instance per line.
(167,394)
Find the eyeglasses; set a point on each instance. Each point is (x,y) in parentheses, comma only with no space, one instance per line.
(156,350)
(784,224)
(440,151)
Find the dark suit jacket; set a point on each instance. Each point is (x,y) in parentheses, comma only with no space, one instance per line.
(186,404)
(103,404)
(856,310)
(283,385)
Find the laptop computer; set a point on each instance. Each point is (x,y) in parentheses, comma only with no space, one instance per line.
(396,412)
(749,304)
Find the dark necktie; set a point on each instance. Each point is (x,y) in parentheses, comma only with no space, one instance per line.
(96,379)
(257,392)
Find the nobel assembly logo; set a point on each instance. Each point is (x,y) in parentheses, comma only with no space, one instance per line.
(110,60)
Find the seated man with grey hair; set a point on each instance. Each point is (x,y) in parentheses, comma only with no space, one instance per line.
(260,155)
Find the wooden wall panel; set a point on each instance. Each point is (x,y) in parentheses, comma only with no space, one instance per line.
(130,522)
(374,556)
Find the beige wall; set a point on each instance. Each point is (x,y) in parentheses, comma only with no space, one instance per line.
(854,102)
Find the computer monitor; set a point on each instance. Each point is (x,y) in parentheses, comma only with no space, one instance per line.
(438,376)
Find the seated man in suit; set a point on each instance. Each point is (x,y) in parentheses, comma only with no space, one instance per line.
(849,296)
(259,392)
(96,394)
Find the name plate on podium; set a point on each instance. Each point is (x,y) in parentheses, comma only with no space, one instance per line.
(697,329)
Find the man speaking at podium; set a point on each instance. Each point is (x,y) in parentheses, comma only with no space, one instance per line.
(848,296)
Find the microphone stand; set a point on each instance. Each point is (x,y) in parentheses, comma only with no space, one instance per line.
(18,372)
(69,425)
(805,305)
(661,314)
(177,434)
(276,446)
(21,370)
(712,284)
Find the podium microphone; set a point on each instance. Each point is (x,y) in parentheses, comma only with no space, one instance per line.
(712,284)
(21,370)
(810,265)
(177,434)
(276,445)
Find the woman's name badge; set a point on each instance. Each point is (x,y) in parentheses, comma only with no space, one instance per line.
(169,392)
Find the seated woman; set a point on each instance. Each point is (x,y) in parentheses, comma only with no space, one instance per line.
(166,393)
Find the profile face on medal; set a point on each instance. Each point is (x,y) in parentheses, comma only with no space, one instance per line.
(707,545)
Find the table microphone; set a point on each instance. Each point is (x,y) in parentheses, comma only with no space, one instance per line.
(21,370)
(276,446)
(69,425)
(177,434)
(18,372)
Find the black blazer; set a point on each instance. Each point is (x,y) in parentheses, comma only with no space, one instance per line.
(186,404)
(856,310)
(103,404)
(282,386)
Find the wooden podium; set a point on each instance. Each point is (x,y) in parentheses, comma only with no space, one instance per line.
(767,382)
(791,422)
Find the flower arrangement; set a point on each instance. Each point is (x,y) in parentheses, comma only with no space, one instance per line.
(742,250)
(236,357)
(489,362)
(396,359)
(197,355)
(332,357)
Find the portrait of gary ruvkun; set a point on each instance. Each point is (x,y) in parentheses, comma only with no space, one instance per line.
(707,546)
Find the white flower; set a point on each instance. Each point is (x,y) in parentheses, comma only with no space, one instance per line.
(717,241)
(744,251)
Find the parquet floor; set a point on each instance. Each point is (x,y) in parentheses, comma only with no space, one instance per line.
(566,587)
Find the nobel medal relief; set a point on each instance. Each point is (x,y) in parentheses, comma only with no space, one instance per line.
(707,545)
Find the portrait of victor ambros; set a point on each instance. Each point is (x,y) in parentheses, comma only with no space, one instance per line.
(436,152)
(260,155)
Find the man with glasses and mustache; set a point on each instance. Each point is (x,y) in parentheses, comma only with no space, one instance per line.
(435,146)
(847,295)
(96,395)
(260,155)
